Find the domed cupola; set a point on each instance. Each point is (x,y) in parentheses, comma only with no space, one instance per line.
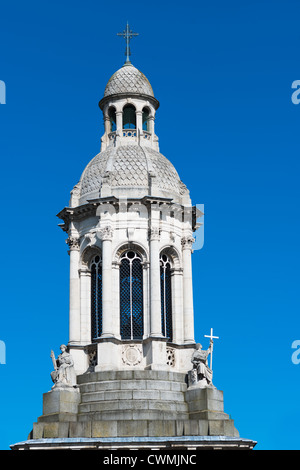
(128,80)
(129,162)
(129,108)
(132,170)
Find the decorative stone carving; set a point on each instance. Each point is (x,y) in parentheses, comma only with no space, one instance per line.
(132,355)
(154,233)
(91,351)
(105,233)
(187,242)
(74,243)
(201,375)
(171,357)
(90,238)
(172,237)
(75,195)
(64,375)
(182,188)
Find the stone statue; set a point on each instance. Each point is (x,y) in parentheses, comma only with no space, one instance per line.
(201,374)
(64,375)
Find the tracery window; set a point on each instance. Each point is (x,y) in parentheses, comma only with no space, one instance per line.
(131,296)
(96,297)
(166,296)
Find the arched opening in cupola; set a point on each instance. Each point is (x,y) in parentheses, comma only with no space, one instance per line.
(129,117)
(112,119)
(146,115)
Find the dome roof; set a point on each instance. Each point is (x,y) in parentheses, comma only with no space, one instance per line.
(138,171)
(128,79)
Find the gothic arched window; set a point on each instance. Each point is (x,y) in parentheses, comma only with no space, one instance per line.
(166,297)
(131,296)
(96,297)
(129,117)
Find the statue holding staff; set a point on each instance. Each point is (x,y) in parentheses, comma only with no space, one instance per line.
(201,374)
(64,373)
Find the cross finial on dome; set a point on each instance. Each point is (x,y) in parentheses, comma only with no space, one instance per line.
(127,34)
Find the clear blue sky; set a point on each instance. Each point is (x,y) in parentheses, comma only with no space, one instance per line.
(222,72)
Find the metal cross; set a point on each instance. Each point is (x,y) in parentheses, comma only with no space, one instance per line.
(127,35)
(211,337)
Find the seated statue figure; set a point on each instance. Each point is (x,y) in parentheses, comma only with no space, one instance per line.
(201,374)
(64,375)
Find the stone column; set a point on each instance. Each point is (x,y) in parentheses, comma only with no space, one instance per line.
(119,121)
(106,234)
(74,293)
(139,121)
(177,305)
(155,300)
(85,305)
(146,265)
(151,126)
(188,309)
(107,126)
(116,299)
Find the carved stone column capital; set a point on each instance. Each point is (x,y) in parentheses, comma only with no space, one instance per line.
(187,242)
(74,243)
(105,233)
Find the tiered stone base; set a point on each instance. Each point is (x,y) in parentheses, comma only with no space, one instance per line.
(134,408)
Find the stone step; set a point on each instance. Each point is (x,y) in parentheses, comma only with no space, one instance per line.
(141,384)
(135,415)
(134,405)
(123,375)
(129,395)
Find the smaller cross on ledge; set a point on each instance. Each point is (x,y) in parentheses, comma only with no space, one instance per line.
(211,338)
(127,34)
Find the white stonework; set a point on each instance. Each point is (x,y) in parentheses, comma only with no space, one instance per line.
(130,197)
(141,380)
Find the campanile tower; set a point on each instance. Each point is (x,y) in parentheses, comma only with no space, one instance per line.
(130,227)
(131,374)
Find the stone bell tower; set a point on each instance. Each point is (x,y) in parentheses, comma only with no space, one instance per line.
(130,225)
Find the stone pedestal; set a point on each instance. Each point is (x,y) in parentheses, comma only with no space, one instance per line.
(207,405)
(61,404)
(133,404)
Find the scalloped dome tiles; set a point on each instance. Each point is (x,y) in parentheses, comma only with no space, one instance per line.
(130,165)
(128,79)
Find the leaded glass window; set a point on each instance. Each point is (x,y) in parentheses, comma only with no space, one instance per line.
(166,297)
(96,297)
(131,296)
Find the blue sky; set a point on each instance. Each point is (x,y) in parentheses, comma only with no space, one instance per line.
(222,72)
